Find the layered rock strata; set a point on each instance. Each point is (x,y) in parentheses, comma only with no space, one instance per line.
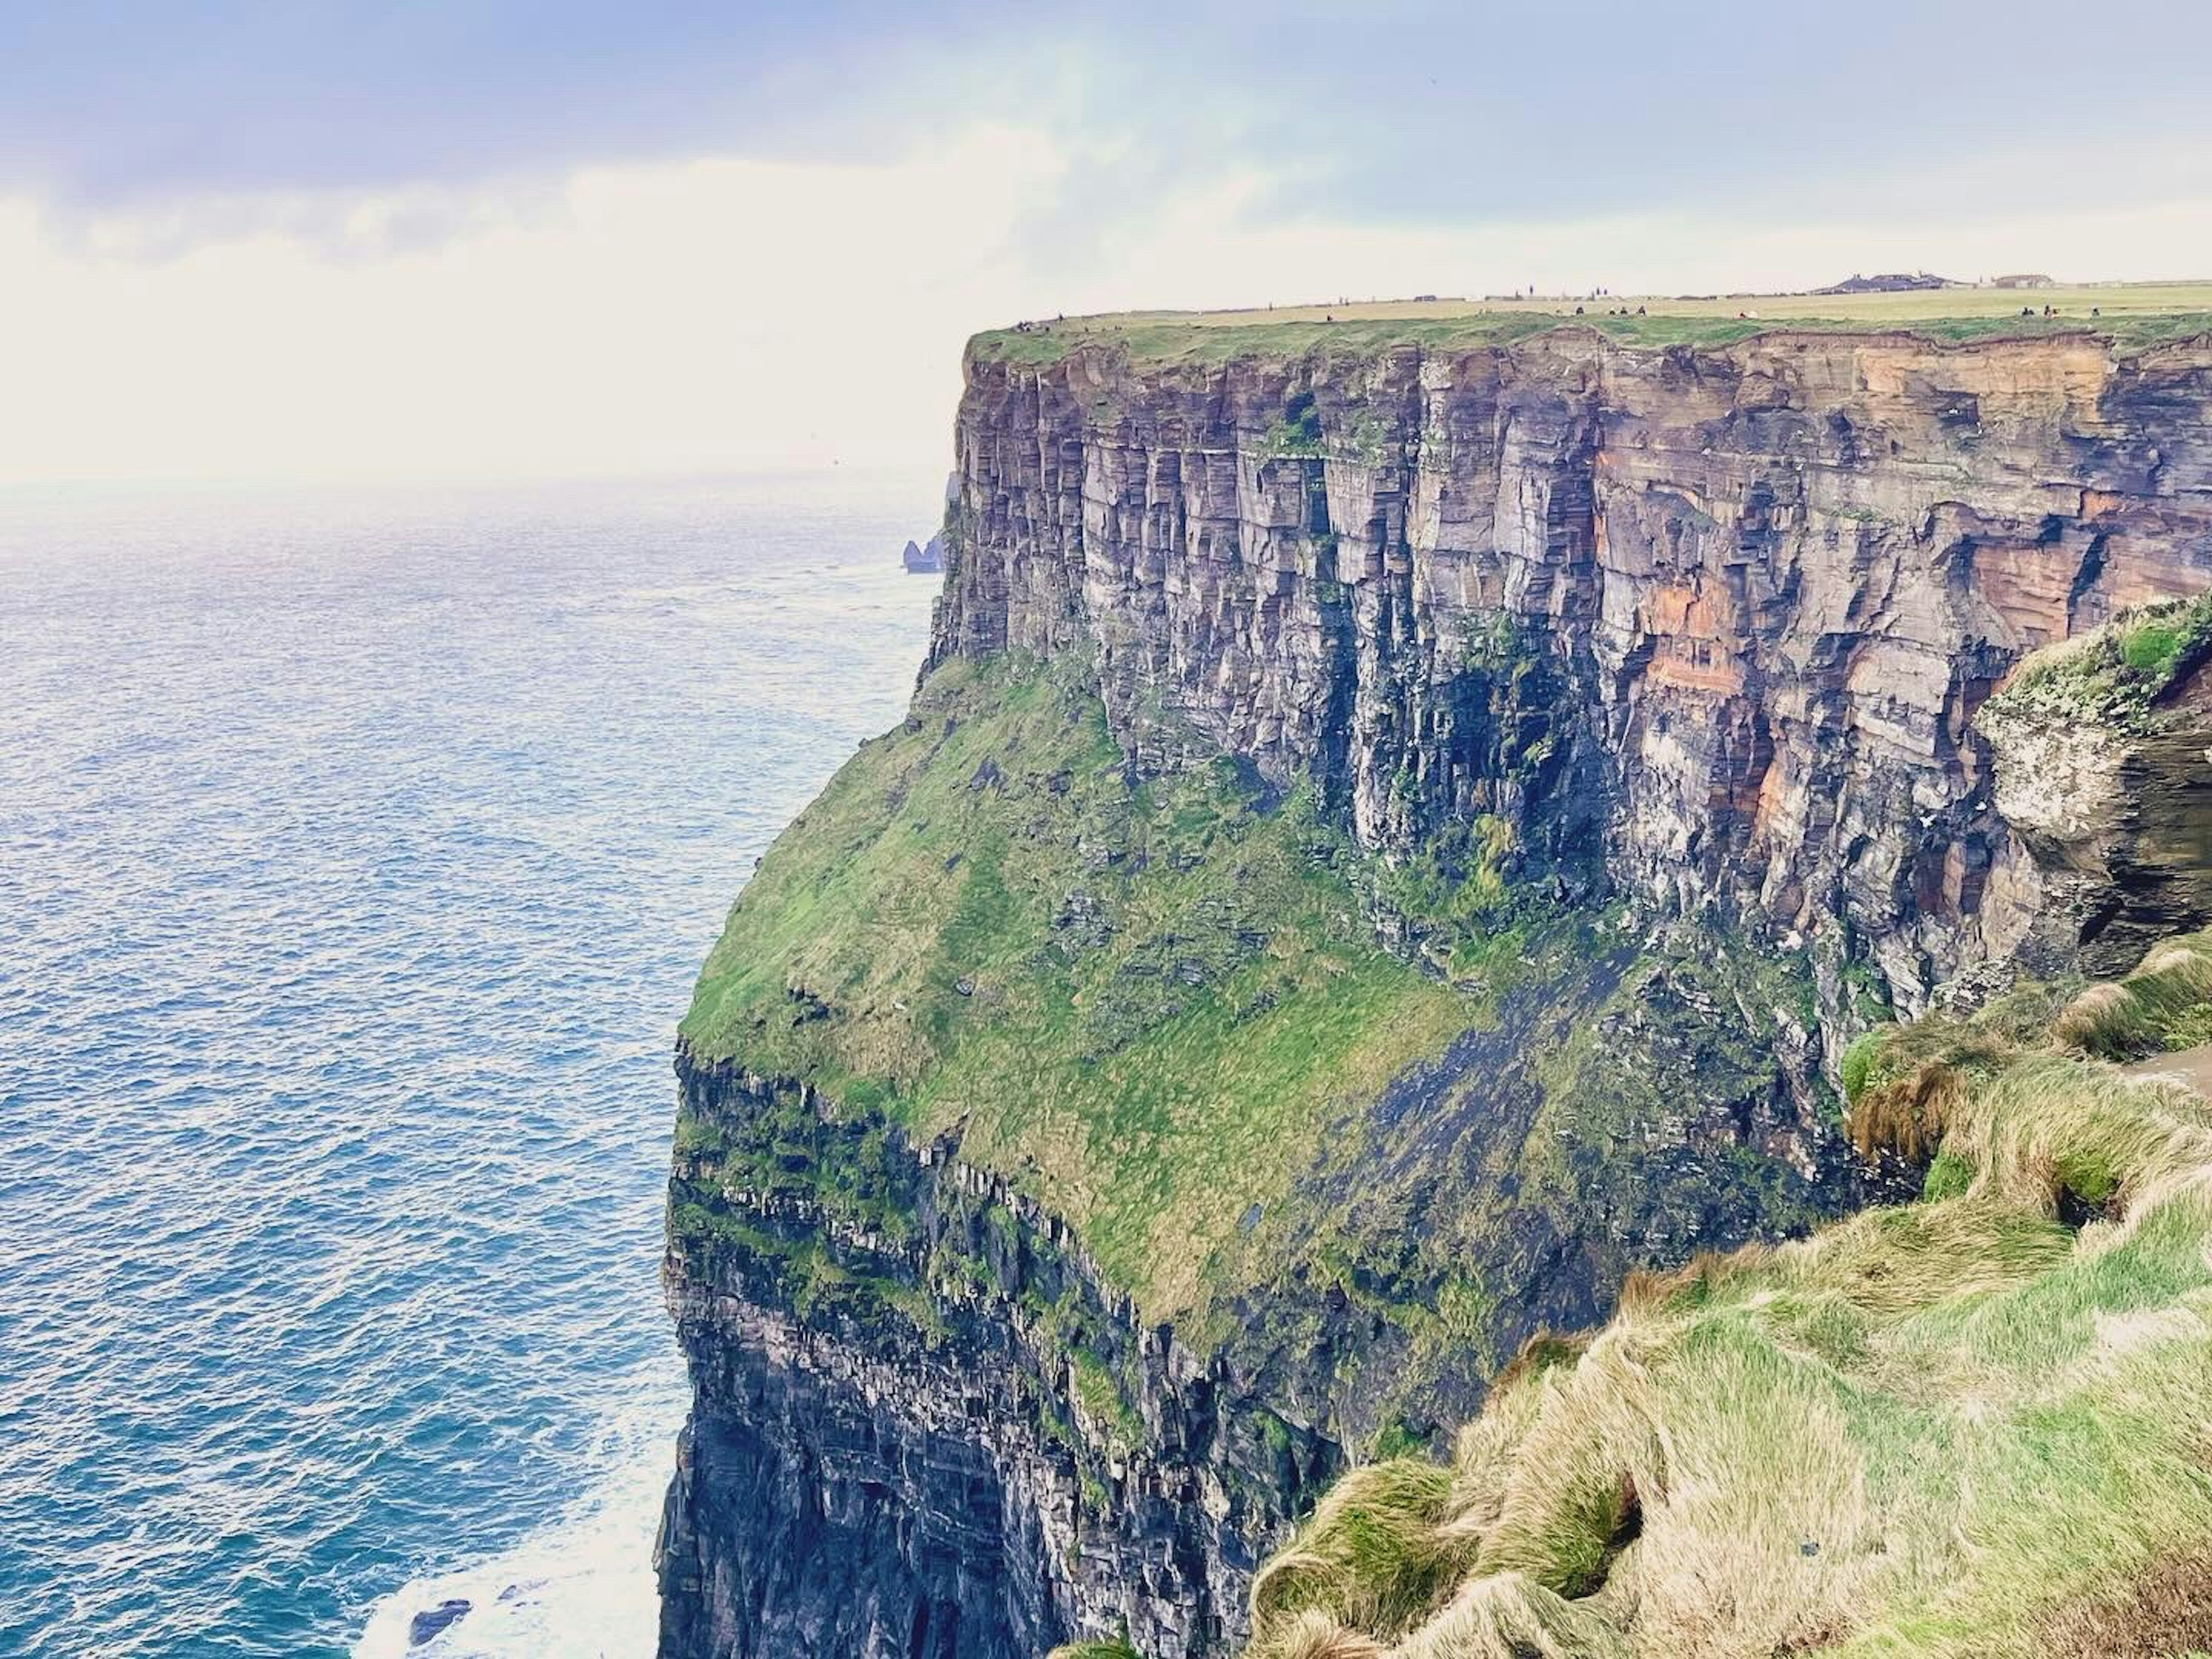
(1774,581)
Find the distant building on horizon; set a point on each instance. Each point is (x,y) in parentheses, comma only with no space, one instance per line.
(1895,282)
(2023,279)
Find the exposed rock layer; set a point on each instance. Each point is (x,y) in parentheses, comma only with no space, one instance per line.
(1776,580)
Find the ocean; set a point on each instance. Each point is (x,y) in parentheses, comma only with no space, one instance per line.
(357,851)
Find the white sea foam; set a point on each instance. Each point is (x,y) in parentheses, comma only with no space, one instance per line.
(580,1588)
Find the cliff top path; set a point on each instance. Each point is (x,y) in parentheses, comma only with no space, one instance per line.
(2191,1066)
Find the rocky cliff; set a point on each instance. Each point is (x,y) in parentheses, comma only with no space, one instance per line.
(1774,581)
(1391,839)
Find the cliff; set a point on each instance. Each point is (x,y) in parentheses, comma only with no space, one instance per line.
(1392,838)
(1776,580)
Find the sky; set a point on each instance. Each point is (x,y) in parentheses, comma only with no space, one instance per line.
(487,239)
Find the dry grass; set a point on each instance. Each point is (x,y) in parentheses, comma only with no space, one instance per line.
(1505,1613)
(1970,1425)
(2157,1007)
(1906,1116)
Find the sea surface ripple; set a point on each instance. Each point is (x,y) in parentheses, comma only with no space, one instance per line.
(357,854)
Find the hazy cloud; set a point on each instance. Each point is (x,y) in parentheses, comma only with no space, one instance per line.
(1380,112)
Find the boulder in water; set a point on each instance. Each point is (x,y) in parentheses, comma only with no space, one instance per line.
(427,1624)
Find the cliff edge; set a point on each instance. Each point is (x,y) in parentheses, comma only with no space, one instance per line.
(1393,838)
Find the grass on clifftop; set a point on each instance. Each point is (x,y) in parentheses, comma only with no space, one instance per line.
(1143,998)
(2133,315)
(1977,1424)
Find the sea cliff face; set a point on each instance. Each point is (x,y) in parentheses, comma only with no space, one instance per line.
(1672,657)
(894,1469)
(1773,581)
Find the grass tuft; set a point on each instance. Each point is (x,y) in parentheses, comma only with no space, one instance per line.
(1375,1554)
(2158,1007)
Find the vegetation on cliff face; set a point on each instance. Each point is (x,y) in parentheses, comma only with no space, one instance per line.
(1976,1424)
(2111,676)
(1188,1079)
(1164,1008)
(1140,996)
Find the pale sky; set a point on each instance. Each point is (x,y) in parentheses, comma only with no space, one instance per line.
(493,238)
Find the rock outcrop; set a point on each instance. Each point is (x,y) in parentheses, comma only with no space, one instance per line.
(1698,635)
(2103,771)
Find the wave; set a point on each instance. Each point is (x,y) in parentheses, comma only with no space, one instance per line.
(582,1587)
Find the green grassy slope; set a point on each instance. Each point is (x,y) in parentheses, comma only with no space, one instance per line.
(1141,999)
(1980,1423)
(1163,1009)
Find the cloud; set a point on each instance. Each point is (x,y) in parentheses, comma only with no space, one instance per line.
(721,314)
(712,315)
(1388,112)
(113,105)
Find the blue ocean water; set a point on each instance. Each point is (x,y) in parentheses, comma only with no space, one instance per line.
(357,854)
